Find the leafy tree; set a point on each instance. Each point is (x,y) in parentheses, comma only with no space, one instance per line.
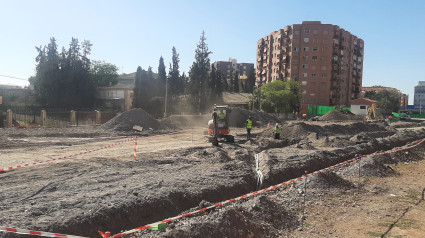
(219,84)
(63,80)
(150,77)
(250,81)
(103,74)
(280,96)
(176,85)
(215,84)
(388,100)
(139,94)
(162,75)
(199,77)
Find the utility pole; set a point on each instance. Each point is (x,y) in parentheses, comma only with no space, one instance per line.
(166,95)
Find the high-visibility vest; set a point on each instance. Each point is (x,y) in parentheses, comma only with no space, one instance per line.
(248,124)
(277,130)
(221,115)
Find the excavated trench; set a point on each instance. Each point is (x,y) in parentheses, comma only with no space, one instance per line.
(217,174)
(280,168)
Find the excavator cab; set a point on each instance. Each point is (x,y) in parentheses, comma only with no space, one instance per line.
(218,126)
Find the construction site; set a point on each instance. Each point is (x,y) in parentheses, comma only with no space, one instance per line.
(135,176)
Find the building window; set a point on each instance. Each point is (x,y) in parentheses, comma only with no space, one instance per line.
(304,92)
(314,49)
(305,57)
(228,71)
(305,66)
(296,49)
(306,48)
(228,66)
(315,32)
(363,107)
(307,30)
(323,76)
(306,40)
(313,67)
(314,58)
(323,67)
(325,32)
(296,32)
(312,94)
(305,75)
(303,82)
(244,67)
(313,75)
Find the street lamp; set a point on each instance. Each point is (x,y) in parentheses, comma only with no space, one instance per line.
(166,92)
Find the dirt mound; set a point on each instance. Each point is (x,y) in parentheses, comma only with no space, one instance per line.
(134,117)
(239,116)
(329,180)
(374,167)
(339,116)
(302,130)
(259,217)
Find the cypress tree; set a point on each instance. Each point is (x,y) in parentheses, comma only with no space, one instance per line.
(199,76)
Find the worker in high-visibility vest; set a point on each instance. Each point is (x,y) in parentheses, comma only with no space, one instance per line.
(276,131)
(248,126)
(221,114)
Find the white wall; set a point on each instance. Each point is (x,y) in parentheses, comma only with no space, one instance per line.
(356,109)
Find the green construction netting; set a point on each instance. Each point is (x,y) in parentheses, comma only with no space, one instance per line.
(322,110)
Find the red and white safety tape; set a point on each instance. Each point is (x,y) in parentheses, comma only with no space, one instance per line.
(82,153)
(107,234)
(65,157)
(36,233)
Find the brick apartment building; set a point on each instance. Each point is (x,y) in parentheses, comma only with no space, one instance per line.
(229,68)
(404,98)
(325,59)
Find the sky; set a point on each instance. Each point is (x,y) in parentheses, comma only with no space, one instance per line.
(130,33)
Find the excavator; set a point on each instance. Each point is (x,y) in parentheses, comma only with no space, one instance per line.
(371,113)
(218,126)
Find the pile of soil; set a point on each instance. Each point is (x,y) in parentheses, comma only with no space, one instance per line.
(302,130)
(329,180)
(239,116)
(339,116)
(258,217)
(134,117)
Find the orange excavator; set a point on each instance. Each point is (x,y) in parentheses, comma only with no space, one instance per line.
(218,126)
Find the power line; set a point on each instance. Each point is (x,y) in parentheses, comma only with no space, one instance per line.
(7,76)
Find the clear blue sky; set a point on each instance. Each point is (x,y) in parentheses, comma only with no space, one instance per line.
(136,33)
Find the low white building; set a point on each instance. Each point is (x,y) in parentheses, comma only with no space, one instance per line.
(361,105)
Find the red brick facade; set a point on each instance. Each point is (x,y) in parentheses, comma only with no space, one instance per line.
(325,59)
